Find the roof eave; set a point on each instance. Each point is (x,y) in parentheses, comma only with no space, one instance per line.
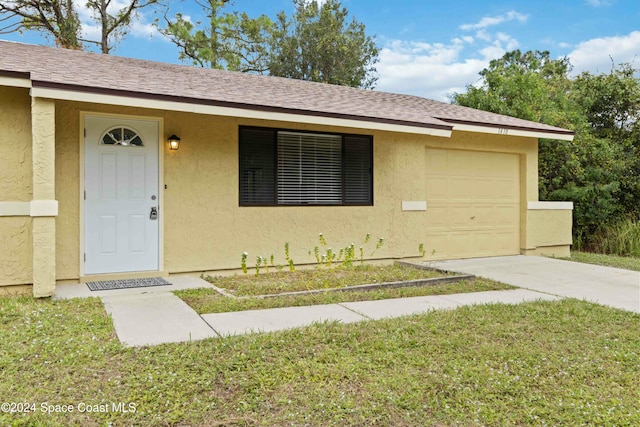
(15,79)
(200,106)
(563,135)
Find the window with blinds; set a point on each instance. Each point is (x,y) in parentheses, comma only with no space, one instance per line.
(309,169)
(302,168)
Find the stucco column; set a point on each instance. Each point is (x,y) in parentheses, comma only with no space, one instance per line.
(44,207)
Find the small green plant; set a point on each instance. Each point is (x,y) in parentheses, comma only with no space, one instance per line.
(378,245)
(258,264)
(287,257)
(330,257)
(421,250)
(324,256)
(349,255)
(243,262)
(323,242)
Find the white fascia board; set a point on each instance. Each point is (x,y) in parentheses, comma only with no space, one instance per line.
(512,132)
(15,82)
(231,111)
(536,206)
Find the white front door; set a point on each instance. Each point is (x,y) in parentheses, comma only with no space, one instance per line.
(121,209)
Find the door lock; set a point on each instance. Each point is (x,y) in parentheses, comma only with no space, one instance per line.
(154,213)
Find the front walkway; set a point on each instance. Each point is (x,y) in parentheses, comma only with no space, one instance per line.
(154,315)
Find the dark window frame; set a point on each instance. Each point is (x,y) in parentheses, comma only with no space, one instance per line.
(272,194)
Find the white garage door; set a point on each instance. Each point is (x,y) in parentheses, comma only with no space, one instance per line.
(473,204)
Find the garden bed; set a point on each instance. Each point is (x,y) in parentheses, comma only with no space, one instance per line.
(329,286)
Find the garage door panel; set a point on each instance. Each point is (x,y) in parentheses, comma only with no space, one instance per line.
(507,216)
(437,162)
(473,203)
(483,216)
(437,218)
(495,243)
(460,217)
(460,188)
(438,188)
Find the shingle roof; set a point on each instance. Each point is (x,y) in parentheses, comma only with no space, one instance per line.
(91,72)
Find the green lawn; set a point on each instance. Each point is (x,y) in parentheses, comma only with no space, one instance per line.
(629,263)
(547,363)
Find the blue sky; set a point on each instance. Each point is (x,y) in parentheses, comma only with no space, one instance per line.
(434,48)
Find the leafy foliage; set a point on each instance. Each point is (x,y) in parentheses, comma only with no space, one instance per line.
(316,43)
(229,40)
(600,170)
(60,19)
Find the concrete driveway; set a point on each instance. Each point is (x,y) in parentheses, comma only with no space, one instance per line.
(613,287)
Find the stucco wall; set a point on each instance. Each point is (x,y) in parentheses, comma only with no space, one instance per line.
(549,232)
(15,184)
(15,144)
(205,229)
(15,251)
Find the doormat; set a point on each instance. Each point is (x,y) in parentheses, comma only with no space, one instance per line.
(107,285)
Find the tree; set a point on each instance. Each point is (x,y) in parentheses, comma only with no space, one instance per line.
(317,44)
(114,22)
(226,40)
(59,19)
(611,104)
(599,170)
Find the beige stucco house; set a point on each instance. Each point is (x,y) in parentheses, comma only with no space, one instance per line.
(90,187)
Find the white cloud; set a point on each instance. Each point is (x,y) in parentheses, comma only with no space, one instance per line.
(595,55)
(484,35)
(436,70)
(598,3)
(490,21)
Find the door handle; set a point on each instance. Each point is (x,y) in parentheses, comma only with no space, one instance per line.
(154,213)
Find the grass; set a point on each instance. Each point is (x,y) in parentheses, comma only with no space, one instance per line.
(621,238)
(250,286)
(209,301)
(546,363)
(319,278)
(628,263)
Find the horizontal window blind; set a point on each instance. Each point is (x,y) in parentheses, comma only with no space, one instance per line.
(309,169)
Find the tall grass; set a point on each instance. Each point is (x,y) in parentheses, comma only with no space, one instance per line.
(622,238)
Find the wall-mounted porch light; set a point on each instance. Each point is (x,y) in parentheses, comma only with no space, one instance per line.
(174,142)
